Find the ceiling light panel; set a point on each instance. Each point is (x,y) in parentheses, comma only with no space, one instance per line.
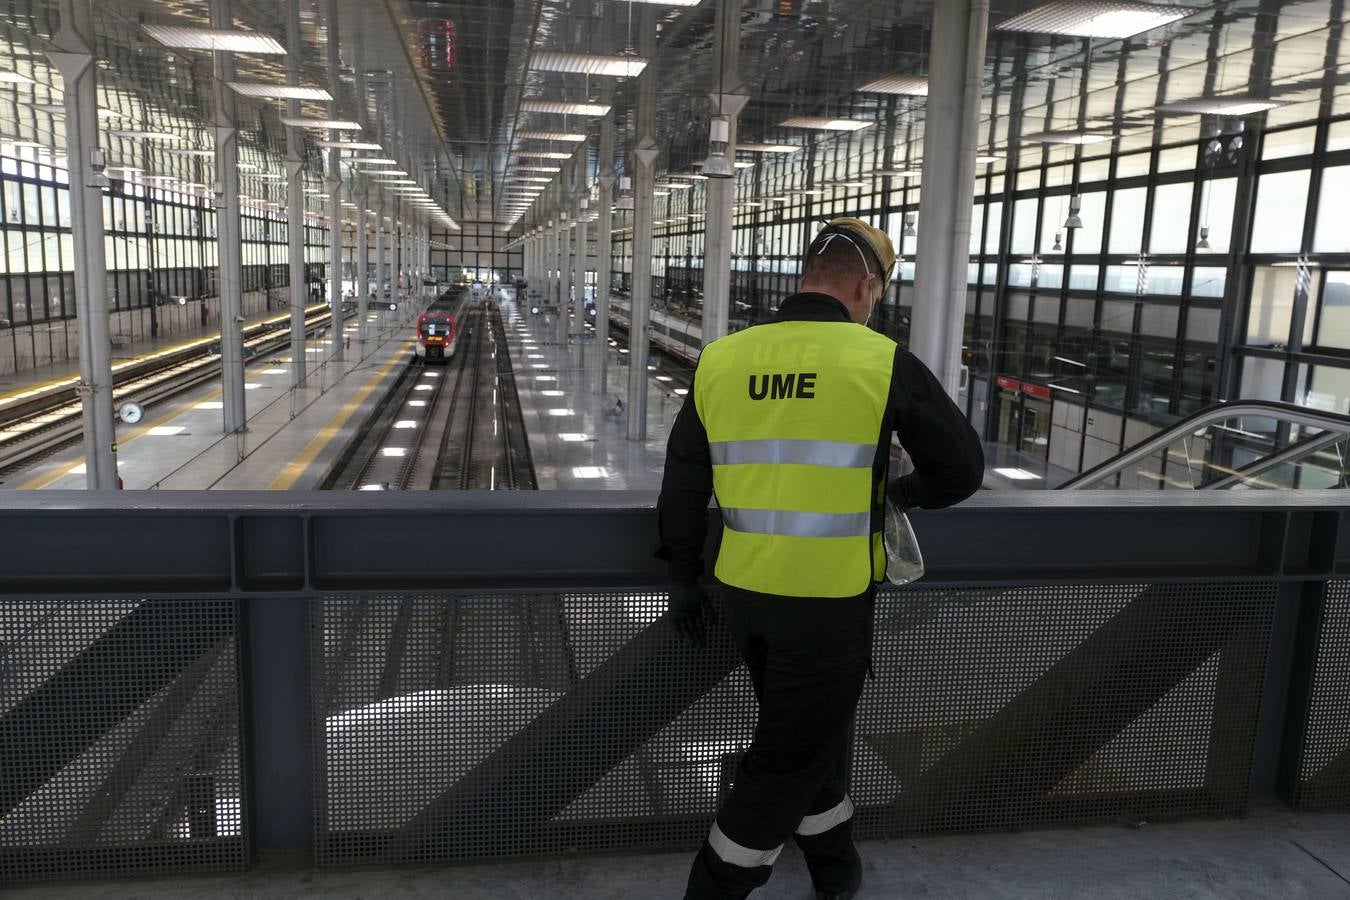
(566,137)
(543,154)
(588,64)
(233,40)
(278,91)
(564,108)
(1095,18)
(8,77)
(1067,137)
(351,145)
(907,85)
(550,169)
(332,124)
(166,136)
(1220,106)
(542,179)
(769,148)
(820,123)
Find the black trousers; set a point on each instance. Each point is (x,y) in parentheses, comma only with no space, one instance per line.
(808,658)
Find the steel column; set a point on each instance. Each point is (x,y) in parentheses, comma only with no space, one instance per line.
(604,241)
(644,158)
(229,254)
(362,280)
(75,40)
(581,200)
(335,329)
(728,99)
(956,72)
(295,199)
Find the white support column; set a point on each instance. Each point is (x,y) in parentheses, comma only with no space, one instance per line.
(295,199)
(644,158)
(75,60)
(581,204)
(229,256)
(604,242)
(362,280)
(950,143)
(379,253)
(335,329)
(564,267)
(728,99)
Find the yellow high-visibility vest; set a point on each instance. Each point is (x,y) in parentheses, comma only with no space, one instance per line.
(794,413)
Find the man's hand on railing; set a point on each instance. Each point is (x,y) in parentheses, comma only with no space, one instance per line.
(688,603)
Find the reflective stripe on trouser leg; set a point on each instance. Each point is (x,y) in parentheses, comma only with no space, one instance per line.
(820,823)
(736,854)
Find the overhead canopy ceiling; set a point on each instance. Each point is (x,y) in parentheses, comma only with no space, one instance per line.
(450,84)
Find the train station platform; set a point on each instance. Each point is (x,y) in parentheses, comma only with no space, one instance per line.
(293,434)
(1273,853)
(578,432)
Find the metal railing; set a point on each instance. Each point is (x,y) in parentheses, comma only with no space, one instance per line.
(188,677)
(1335,427)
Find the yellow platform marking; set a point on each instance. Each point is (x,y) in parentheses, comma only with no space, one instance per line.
(296,467)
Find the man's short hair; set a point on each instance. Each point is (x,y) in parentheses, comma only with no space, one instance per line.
(834,256)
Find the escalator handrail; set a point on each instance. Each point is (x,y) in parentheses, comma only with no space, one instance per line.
(1289,412)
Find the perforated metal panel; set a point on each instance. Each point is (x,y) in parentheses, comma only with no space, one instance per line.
(119,738)
(1324,768)
(535,724)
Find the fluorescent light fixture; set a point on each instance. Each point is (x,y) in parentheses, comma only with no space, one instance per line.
(675,186)
(899,173)
(1220,106)
(564,107)
(231,40)
(769,148)
(661,194)
(1018,474)
(392,179)
(907,85)
(538,179)
(1067,137)
(351,145)
(985,159)
(588,64)
(744,164)
(368,161)
(167,136)
(691,176)
(543,154)
(332,124)
(550,169)
(852,184)
(188,151)
(568,137)
(1095,18)
(822,123)
(8,77)
(278,91)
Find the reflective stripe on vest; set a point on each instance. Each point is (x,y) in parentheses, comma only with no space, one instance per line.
(798,524)
(837,454)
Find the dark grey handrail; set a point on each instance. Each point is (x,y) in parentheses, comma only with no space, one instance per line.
(1286,412)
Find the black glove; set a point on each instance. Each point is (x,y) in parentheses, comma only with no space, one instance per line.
(687,602)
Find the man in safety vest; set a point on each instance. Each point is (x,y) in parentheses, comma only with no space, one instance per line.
(789,423)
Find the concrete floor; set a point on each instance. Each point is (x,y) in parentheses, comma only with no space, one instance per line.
(1272,854)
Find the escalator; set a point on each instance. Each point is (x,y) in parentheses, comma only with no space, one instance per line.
(1241,445)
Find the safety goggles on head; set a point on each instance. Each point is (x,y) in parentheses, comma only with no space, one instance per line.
(858,241)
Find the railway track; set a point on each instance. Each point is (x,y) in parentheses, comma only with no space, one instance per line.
(37,425)
(453,427)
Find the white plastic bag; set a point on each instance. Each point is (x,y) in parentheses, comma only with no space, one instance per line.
(904,560)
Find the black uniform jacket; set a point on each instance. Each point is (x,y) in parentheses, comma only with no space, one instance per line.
(946,452)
